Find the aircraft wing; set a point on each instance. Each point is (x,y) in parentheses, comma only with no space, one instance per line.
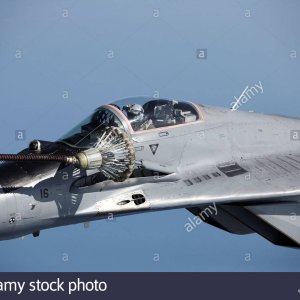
(254,195)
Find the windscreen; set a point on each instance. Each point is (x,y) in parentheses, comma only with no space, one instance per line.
(86,134)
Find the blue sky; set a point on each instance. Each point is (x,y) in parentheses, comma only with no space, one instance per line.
(59,60)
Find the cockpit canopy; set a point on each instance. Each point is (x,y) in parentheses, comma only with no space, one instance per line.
(146,113)
(131,114)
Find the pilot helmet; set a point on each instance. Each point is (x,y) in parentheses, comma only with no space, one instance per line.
(135,112)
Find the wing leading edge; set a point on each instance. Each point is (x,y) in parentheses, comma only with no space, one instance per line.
(277,222)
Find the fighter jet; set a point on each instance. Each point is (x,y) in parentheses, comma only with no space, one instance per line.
(140,155)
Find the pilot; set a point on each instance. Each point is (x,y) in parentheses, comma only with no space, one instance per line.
(137,118)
